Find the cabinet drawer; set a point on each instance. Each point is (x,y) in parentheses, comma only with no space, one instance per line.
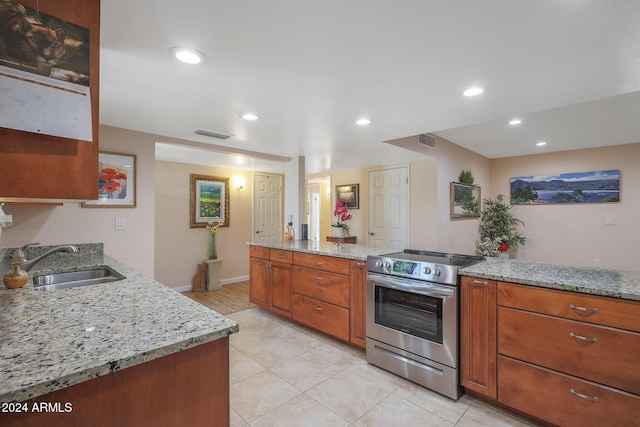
(280,255)
(548,395)
(571,347)
(330,287)
(323,316)
(327,263)
(259,252)
(614,312)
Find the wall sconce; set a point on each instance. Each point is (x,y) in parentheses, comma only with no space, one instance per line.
(238,182)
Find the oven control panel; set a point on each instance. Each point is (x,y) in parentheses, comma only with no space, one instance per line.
(410,269)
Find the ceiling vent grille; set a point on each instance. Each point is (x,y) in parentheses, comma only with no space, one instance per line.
(212,134)
(427,140)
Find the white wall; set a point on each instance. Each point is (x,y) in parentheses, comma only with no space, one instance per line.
(576,234)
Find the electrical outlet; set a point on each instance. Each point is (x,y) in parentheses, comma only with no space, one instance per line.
(119,224)
(596,262)
(609,220)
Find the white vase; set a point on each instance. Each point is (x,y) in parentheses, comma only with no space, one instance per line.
(502,255)
(337,231)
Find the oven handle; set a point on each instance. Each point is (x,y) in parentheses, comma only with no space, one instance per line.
(422,288)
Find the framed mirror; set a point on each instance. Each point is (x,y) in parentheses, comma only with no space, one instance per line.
(465,201)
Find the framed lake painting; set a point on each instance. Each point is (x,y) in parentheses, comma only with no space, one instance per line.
(116,181)
(209,201)
(579,187)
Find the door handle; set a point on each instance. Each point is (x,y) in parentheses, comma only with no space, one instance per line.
(371,233)
(258,231)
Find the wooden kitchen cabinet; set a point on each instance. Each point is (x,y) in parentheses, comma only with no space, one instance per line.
(270,280)
(48,167)
(568,358)
(190,387)
(478,353)
(322,292)
(358,304)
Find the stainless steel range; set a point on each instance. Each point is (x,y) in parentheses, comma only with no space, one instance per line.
(412,316)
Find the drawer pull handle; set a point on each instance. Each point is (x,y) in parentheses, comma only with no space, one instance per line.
(479,282)
(280,256)
(583,309)
(319,278)
(318,308)
(318,262)
(584,396)
(581,338)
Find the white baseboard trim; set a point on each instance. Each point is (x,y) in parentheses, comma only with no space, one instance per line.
(223,282)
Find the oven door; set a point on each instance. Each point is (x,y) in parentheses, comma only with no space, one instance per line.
(414,316)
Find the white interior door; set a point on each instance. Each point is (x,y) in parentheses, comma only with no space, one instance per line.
(267,208)
(389,208)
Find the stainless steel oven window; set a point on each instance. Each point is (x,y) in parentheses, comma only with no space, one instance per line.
(411,313)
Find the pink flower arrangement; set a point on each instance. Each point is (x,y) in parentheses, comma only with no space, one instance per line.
(342,212)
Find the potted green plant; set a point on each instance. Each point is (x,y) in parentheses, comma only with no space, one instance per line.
(498,232)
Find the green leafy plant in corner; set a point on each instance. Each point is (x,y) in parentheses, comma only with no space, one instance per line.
(498,228)
(466,177)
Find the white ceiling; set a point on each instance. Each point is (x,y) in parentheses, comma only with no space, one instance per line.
(569,68)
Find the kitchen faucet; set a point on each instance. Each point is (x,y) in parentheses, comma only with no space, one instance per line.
(25,264)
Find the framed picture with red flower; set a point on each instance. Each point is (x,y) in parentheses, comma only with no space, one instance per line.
(116,181)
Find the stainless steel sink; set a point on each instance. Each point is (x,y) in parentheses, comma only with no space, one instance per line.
(74,279)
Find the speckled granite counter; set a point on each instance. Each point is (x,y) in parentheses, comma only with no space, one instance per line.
(53,339)
(588,280)
(340,250)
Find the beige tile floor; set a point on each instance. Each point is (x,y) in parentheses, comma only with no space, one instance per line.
(284,375)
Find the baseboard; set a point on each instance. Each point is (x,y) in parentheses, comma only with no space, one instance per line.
(223,282)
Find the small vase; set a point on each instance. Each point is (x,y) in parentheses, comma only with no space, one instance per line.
(502,255)
(16,277)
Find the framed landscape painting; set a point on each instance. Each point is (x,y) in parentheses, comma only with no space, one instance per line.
(579,187)
(209,201)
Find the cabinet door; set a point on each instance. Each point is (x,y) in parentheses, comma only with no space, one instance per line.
(281,288)
(478,351)
(357,308)
(259,282)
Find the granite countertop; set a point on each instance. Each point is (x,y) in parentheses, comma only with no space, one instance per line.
(54,339)
(588,280)
(339,250)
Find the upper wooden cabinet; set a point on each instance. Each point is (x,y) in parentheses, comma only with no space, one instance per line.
(48,167)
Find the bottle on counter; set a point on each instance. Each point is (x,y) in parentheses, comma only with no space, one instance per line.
(16,277)
(289,233)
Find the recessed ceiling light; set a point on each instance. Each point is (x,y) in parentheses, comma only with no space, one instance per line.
(187,55)
(515,122)
(249,116)
(541,144)
(363,122)
(473,91)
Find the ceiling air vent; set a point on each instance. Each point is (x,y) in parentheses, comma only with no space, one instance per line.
(212,134)
(427,140)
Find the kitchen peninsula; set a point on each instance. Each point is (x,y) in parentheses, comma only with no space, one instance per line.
(129,352)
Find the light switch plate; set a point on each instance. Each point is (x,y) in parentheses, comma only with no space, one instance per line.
(119,224)
(609,220)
